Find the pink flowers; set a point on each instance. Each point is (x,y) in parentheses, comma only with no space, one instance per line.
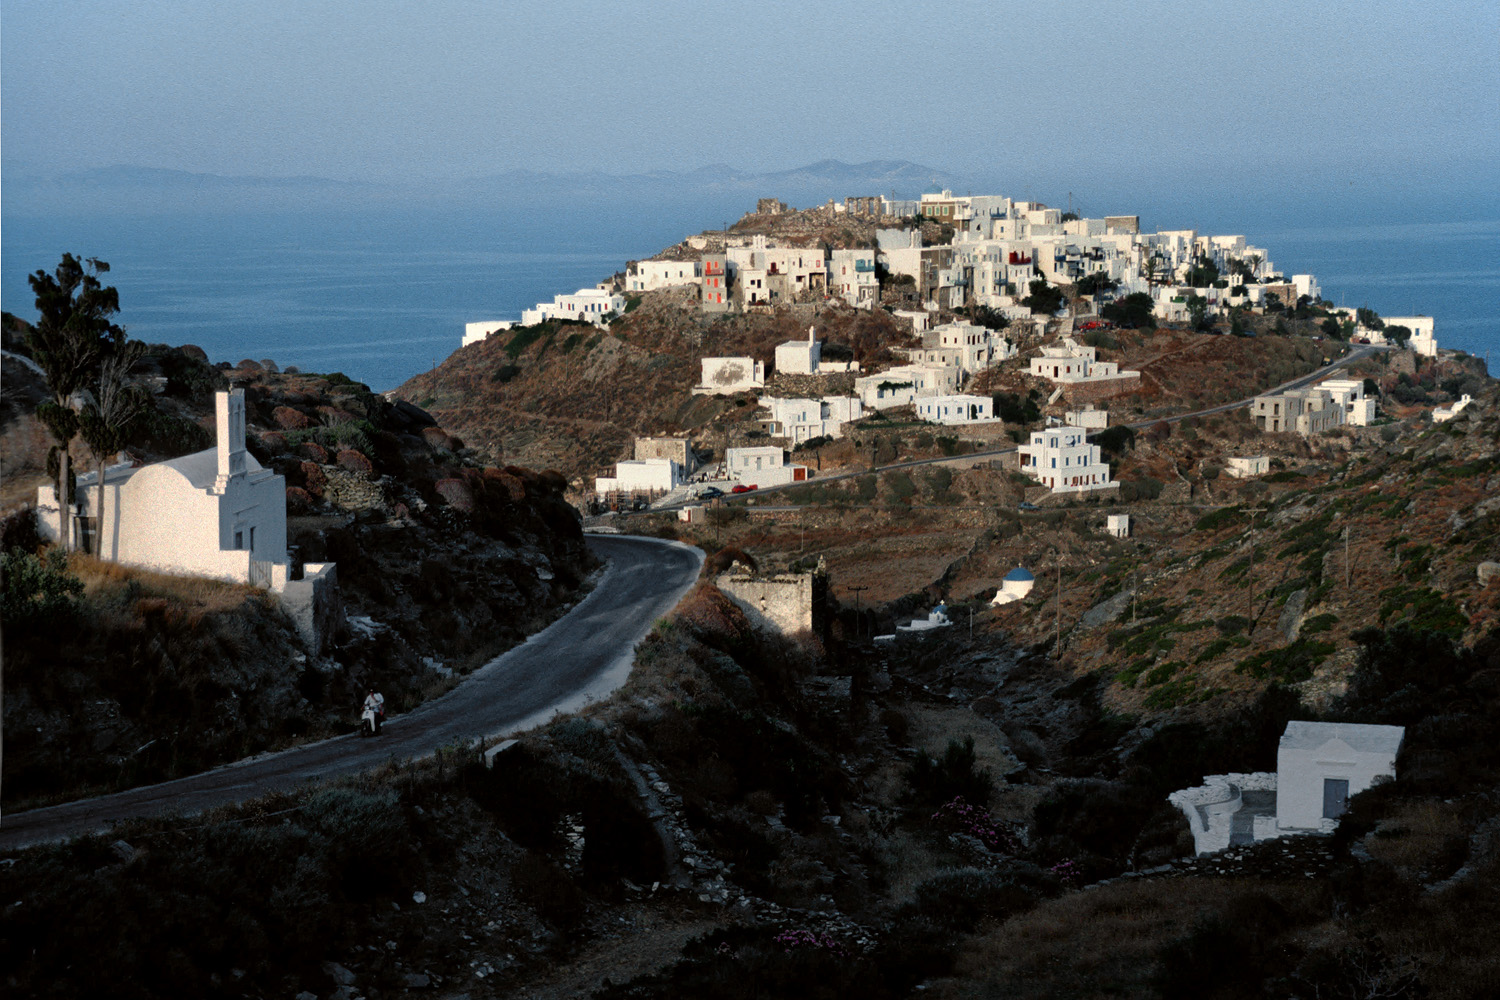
(977,823)
(791,941)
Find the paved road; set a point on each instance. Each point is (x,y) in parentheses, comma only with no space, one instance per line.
(1358,352)
(579,658)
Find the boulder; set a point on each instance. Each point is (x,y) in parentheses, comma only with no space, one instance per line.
(1292,614)
(1106,610)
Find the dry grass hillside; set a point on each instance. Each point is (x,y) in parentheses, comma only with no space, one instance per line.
(572,397)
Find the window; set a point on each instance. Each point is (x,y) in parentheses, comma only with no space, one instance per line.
(239,539)
(252,539)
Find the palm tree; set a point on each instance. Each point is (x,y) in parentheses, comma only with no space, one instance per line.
(105,419)
(71,335)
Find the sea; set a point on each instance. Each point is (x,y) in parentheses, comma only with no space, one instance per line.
(382,293)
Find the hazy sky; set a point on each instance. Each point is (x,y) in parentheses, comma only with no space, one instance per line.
(379,90)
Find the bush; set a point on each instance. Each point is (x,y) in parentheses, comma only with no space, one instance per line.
(290,419)
(931,783)
(39,593)
(355,462)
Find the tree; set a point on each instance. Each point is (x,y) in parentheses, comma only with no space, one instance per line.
(73,332)
(1398,334)
(1331,328)
(105,420)
(1368,319)
(1098,281)
(1197,307)
(1135,309)
(1202,273)
(989,318)
(1044,298)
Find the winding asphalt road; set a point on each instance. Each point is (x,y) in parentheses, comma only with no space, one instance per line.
(579,658)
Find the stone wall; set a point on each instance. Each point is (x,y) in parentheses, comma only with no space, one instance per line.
(778,603)
(315,605)
(1093,392)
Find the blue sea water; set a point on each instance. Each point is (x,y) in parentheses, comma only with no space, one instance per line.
(382,294)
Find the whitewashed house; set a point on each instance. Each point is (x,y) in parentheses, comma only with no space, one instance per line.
(1062,459)
(965,346)
(731,375)
(800,420)
(1249,466)
(214,513)
(762,273)
(590,305)
(650,275)
(1422,339)
(476,332)
(1349,393)
(1443,414)
(956,409)
(651,475)
(1118,526)
(901,386)
(1303,411)
(805,357)
(1089,418)
(851,276)
(762,466)
(799,357)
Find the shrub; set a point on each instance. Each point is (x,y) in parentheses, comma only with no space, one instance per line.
(456,493)
(313,478)
(298,500)
(289,419)
(959,898)
(932,782)
(314,451)
(355,462)
(38,592)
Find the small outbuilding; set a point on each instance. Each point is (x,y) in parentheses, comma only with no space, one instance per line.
(1319,765)
(1119,525)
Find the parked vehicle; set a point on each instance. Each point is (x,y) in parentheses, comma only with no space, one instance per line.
(709,492)
(742,488)
(1028,506)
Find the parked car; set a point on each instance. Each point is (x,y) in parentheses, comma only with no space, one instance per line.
(742,488)
(1028,506)
(709,492)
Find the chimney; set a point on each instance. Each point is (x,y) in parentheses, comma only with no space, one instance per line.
(230,408)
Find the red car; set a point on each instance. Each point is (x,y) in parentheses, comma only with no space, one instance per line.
(741,488)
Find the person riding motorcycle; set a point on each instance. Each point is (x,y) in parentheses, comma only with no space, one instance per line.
(375,704)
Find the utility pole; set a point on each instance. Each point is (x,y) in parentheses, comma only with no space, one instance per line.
(1250,600)
(1346,559)
(1057,639)
(856,609)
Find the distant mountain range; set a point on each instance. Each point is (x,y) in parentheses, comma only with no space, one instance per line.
(137,189)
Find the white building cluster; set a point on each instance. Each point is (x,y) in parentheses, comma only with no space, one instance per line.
(1332,403)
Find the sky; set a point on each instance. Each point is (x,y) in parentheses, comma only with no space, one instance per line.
(401,92)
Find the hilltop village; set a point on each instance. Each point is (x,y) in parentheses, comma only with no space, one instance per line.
(974,282)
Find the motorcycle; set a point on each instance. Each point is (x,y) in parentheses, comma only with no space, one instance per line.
(369,722)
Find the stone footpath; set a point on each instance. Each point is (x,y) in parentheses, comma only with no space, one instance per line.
(1307,856)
